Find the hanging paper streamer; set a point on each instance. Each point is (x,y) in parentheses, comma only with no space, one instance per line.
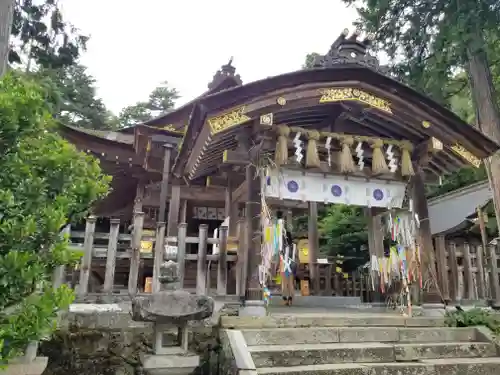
(298,148)
(266,295)
(393,162)
(360,155)
(328,146)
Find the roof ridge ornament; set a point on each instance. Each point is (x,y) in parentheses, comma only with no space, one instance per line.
(226,70)
(350,50)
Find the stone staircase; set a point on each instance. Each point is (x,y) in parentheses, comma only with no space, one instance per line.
(382,345)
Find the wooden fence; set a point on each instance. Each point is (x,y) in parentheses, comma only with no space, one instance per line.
(205,272)
(202,272)
(469,271)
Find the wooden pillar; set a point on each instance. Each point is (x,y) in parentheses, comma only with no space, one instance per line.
(234,216)
(289,220)
(88,249)
(482,254)
(470,292)
(442,270)
(138,205)
(228,198)
(158,255)
(135,257)
(494,278)
(173,211)
(183,212)
(253,238)
(181,252)
(201,265)
(453,266)
(109,278)
(240,262)
(375,246)
(222,264)
(313,239)
(424,236)
(139,196)
(480,276)
(165,181)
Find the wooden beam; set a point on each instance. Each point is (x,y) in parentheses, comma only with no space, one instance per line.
(239,191)
(189,193)
(230,157)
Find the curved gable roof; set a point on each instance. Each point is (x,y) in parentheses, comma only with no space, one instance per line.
(448,125)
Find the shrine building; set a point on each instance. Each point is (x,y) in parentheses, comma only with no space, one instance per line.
(341,132)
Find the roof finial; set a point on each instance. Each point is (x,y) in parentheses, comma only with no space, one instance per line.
(350,50)
(226,70)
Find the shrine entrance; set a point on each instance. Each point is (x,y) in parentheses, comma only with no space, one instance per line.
(342,132)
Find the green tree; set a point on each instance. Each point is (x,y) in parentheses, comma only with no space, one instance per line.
(161,100)
(40,35)
(45,184)
(344,232)
(76,101)
(135,114)
(308,64)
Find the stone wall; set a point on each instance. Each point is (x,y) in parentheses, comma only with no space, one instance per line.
(110,343)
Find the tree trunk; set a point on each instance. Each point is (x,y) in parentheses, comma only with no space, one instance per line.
(487,115)
(6,14)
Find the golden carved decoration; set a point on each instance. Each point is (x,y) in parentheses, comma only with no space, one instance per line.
(227,120)
(266,119)
(426,124)
(281,101)
(467,155)
(436,145)
(347,93)
(171,128)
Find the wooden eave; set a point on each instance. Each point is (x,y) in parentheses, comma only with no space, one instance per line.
(300,90)
(105,149)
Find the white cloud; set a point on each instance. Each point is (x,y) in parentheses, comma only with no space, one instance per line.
(135,45)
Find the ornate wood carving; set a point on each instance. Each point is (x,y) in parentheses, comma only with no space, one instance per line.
(347,93)
(350,50)
(173,129)
(235,116)
(466,155)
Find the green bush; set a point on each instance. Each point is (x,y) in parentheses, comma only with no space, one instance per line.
(474,317)
(44,183)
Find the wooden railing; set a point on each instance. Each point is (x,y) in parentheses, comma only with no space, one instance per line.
(202,272)
(115,247)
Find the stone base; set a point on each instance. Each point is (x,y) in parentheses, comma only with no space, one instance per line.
(35,367)
(319,301)
(176,362)
(253,308)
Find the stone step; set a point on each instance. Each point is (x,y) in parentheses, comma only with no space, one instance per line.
(324,335)
(450,366)
(328,320)
(313,354)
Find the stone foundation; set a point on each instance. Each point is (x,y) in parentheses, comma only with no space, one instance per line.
(110,343)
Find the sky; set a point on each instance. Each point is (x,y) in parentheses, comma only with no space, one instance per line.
(135,45)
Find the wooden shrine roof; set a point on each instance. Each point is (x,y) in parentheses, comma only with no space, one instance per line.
(346,97)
